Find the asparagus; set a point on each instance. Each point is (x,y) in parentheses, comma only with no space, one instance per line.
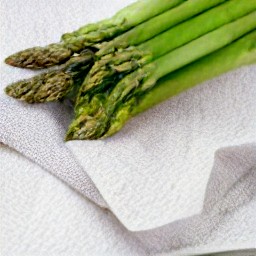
(40,57)
(94,121)
(57,53)
(233,56)
(157,25)
(123,20)
(132,74)
(240,53)
(110,68)
(53,85)
(135,36)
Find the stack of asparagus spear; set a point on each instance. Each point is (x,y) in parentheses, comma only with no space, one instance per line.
(146,53)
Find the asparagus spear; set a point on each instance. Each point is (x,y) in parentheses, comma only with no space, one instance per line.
(53,54)
(157,25)
(53,85)
(123,20)
(135,36)
(233,56)
(240,53)
(112,67)
(94,122)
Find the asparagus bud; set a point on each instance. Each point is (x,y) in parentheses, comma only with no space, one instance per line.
(40,57)
(109,70)
(40,88)
(54,85)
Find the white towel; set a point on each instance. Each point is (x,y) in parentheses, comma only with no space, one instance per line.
(41,214)
(166,167)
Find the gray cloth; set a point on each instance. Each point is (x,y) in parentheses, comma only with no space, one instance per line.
(170,170)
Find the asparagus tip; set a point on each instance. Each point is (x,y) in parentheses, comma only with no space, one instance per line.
(69,136)
(39,57)
(10,61)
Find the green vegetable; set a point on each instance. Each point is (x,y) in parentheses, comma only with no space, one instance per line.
(112,67)
(168,47)
(233,56)
(40,57)
(53,85)
(53,54)
(93,121)
(123,20)
(157,25)
(240,53)
(135,36)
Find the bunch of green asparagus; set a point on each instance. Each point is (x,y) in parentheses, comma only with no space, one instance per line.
(146,53)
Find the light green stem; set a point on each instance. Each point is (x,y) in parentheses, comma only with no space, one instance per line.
(128,17)
(146,77)
(143,10)
(125,19)
(158,24)
(197,26)
(202,46)
(235,55)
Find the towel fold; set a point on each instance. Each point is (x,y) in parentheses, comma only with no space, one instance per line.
(41,215)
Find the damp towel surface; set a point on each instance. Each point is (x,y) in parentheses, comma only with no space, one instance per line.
(174,166)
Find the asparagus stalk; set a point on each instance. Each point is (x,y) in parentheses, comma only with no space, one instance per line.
(233,56)
(94,122)
(157,25)
(53,85)
(57,53)
(123,20)
(240,53)
(112,67)
(135,36)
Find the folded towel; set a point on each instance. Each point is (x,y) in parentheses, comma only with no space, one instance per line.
(168,166)
(41,215)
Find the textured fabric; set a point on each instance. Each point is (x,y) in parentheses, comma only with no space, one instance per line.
(174,169)
(42,216)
